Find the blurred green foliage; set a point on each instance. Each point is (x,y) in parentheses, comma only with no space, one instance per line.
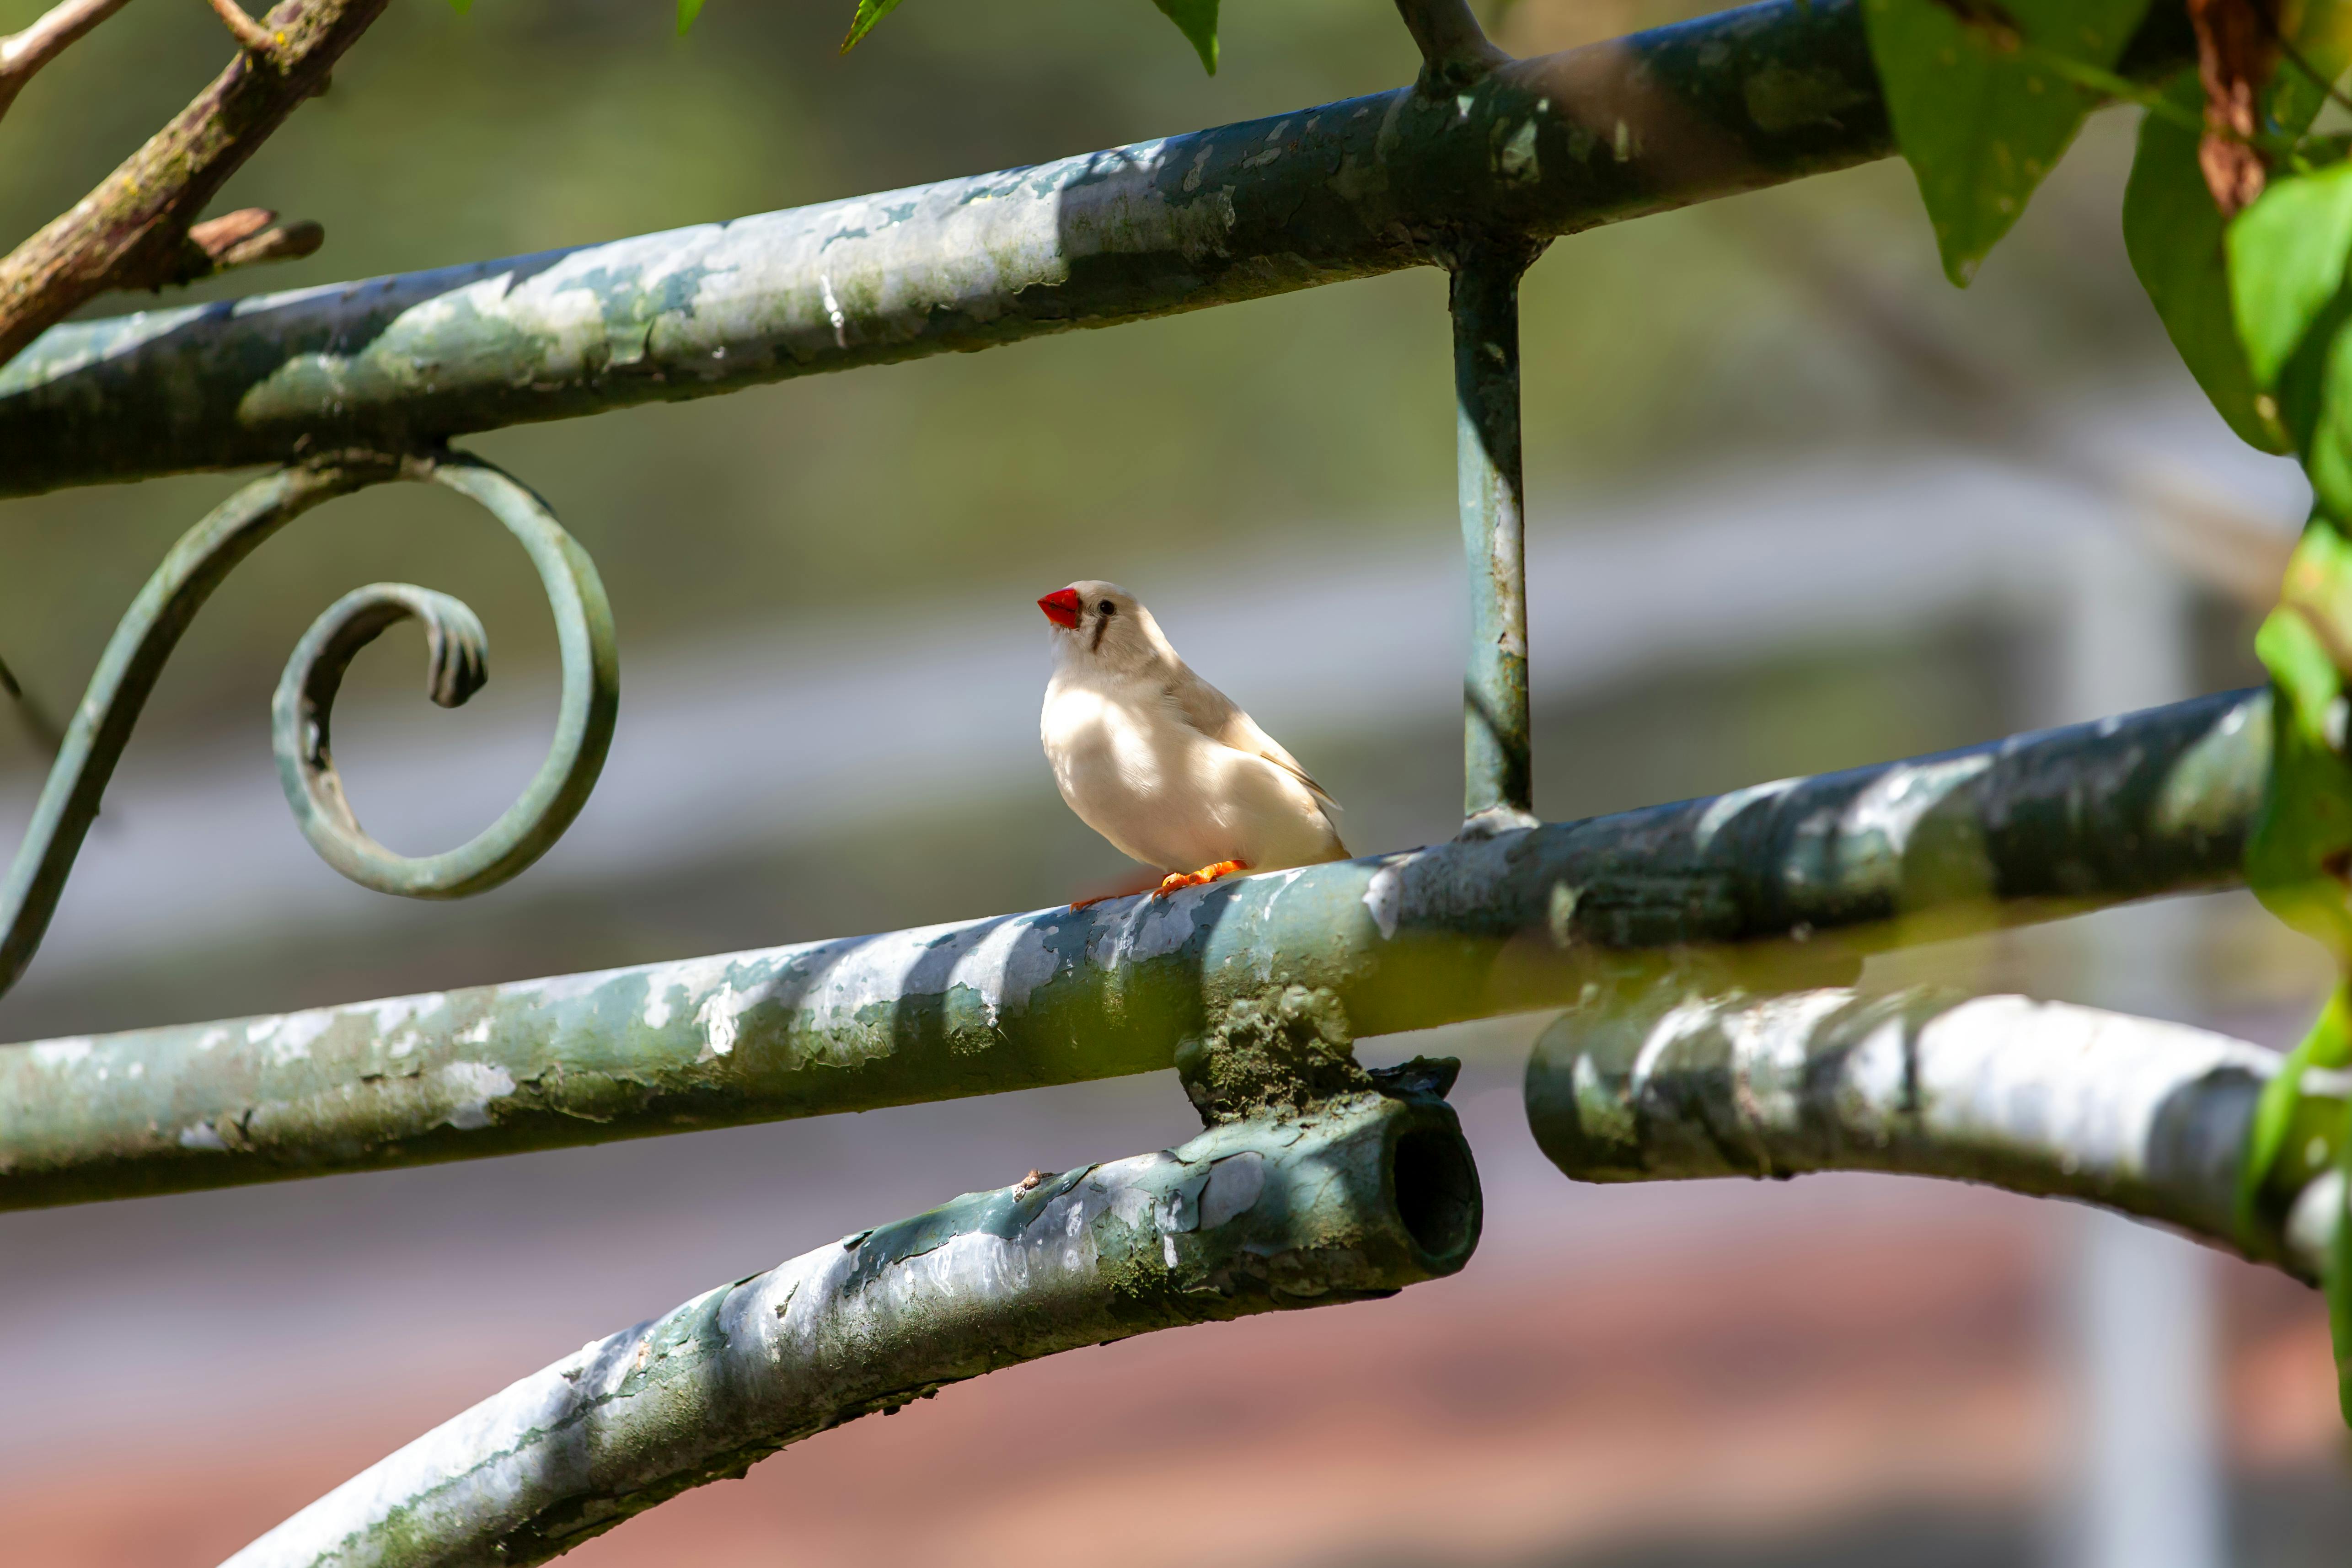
(524,124)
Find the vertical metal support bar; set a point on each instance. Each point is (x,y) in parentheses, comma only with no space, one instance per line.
(1497,784)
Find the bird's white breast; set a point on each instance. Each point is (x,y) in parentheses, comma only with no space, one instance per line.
(1164,793)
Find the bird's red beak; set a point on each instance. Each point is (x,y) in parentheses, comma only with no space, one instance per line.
(1061,607)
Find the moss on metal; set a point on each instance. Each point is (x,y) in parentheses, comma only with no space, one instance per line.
(1360,1197)
(1813,871)
(1534,149)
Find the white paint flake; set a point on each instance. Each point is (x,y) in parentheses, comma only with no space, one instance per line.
(833,312)
(718,1017)
(475,1085)
(61,1053)
(295,1033)
(1385,895)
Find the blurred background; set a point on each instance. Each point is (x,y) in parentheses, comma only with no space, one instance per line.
(1795,505)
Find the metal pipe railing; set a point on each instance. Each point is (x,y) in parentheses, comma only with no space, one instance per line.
(1498,765)
(2135,1114)
(1357,1198)
(1532,149)
(1794,880)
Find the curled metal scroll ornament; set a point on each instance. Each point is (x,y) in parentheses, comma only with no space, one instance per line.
(203,559)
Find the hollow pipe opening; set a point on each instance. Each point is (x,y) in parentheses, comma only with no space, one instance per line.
(1432,1184)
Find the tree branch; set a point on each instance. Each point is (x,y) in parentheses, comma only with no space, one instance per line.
(249,33)
(24,53)
(2041,1098)
(132,231)
(1360,1199)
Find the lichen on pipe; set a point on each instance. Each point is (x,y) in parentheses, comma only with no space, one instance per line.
(1357,1198)
(2043,1098)
(1806,873)
(1536,148)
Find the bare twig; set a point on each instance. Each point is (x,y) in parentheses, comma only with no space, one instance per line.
(25,52)
(242,238)
(250,34)
(2235,51)
(132,231)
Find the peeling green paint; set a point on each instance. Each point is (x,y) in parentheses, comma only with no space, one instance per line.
(1683,1079)
(1814,870)
(1365,1195)
(1704,108)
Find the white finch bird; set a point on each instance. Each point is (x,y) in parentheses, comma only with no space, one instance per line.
(1160,762)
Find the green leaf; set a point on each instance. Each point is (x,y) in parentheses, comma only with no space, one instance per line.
(461,7)
(687,10)
(1197,20)
(2305,826)
(1982,108)
(2327,1044)
(2316,399)
(868,13)
(2321,35)
(2286,265)
(2299,667)
(2173,231)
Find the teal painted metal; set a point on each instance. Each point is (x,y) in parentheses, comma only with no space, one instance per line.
(1497,770)
(455,656)
(1536,148)
(1353,1199)
(1801,874)
(197,565)
(1677,1083)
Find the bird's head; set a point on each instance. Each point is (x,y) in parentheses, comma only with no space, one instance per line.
(1101,623)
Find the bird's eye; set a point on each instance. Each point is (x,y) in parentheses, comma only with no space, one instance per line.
(1108,608)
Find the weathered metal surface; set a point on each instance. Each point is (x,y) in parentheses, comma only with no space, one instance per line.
(1359,1199)
(2041,1098)
(202,559)
(1497,771)
(1800,871)
(1537,148)
(457,655)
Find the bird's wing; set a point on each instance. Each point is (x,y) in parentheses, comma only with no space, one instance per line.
(1219,718)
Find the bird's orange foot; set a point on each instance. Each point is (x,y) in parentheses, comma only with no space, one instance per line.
(1196,878)
(1138,880)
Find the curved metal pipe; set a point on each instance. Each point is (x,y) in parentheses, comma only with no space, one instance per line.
(204,557)
(2041,1098)
(1360,1198)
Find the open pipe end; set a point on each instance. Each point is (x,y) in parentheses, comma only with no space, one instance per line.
(1433,1188)
(1362,1196)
